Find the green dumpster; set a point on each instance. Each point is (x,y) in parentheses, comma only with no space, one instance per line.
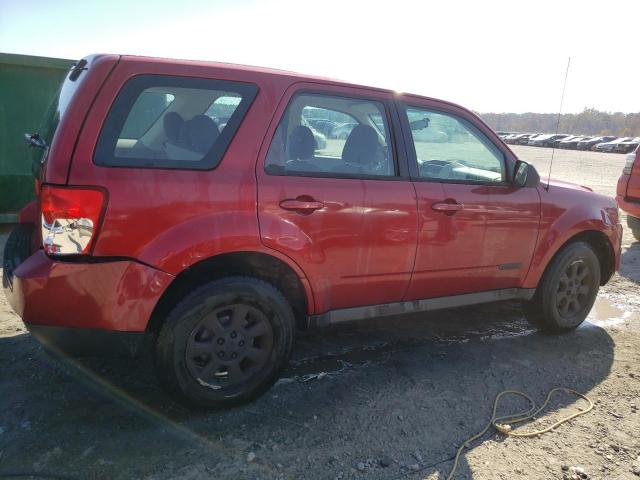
(28,86)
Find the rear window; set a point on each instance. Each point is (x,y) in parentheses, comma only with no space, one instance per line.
(57,109)
(172,122)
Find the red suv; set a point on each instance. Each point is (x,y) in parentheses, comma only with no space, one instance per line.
(212,209)
(628,191)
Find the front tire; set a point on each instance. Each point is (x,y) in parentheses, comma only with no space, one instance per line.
(225,343)
(567,291)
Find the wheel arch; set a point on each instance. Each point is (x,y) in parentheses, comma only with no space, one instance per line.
(243,263)
(601,244)
(603,248)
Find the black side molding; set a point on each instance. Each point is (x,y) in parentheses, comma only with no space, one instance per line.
(510,266)
(382,310)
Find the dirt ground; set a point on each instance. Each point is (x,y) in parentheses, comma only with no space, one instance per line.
(388,399)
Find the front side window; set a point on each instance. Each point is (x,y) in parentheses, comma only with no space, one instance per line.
(451,149)
(172,122)
(331,136)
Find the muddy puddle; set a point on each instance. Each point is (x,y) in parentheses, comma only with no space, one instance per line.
(607,313)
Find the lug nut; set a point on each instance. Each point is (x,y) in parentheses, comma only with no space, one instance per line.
(220,341)
(234,355)
(234,334)
(220,354)
(241,343)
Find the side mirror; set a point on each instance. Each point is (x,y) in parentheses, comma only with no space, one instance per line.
(525,175)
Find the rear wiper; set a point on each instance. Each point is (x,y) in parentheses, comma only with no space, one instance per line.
(35,140)
(77,69)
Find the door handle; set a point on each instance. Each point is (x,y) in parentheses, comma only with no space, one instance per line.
(448,208)
(301,205)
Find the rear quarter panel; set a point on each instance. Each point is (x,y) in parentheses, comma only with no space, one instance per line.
(56,167)
(628,189)
(171,219)
(633,186)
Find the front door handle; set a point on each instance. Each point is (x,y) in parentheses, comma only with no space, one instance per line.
(303,205)
(448,208)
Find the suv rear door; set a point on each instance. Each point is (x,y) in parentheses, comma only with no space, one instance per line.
(342,208)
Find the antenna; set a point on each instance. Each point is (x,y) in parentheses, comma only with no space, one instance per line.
(553,149)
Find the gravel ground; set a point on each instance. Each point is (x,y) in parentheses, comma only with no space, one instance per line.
(388,399)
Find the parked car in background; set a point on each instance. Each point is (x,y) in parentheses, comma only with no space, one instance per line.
(571,142)
(628,191)
(342,131)
(610,146)
(588,144)
(556,143)
(627,146)
(524,139)
(546,140)
(513,138)
(212,247)
(322,125)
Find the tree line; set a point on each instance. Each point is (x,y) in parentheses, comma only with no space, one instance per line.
(588,122)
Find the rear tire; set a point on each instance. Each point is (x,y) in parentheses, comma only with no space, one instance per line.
(16,250)
(225,343)
(634,225)
(567,291)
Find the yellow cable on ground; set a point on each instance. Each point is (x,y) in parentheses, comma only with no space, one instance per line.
(506,429)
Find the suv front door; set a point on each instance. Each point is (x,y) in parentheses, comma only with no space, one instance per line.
(334,195)
(486,229)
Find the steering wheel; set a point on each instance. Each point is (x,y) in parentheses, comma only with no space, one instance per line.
(446,172)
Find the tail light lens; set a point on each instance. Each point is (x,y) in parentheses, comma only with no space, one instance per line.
(628,166)
(70,217)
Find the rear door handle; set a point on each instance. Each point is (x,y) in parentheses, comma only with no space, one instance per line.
(448,208)
(301,205)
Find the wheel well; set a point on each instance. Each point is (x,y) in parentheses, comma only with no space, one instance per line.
(251,264)
(603,249)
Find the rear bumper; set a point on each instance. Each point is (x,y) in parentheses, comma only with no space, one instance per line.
(629,207)
(115,296)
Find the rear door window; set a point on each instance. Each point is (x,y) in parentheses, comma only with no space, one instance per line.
(332,136)
(172,122)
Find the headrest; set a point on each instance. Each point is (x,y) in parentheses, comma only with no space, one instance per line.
(201,133)
(302,144)
(361,146)
(173,123)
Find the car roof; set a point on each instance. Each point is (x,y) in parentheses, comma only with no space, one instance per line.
(285,74)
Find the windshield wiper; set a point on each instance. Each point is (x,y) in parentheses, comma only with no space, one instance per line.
(35,140)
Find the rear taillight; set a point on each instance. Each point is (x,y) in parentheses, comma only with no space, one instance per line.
(70,217)
(628,166)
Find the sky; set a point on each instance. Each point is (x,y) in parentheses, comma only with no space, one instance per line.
(488,55)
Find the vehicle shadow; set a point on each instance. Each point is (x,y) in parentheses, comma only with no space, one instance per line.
(405,390)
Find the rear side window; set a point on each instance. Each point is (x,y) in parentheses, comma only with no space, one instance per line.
(332,136)
(172,122)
